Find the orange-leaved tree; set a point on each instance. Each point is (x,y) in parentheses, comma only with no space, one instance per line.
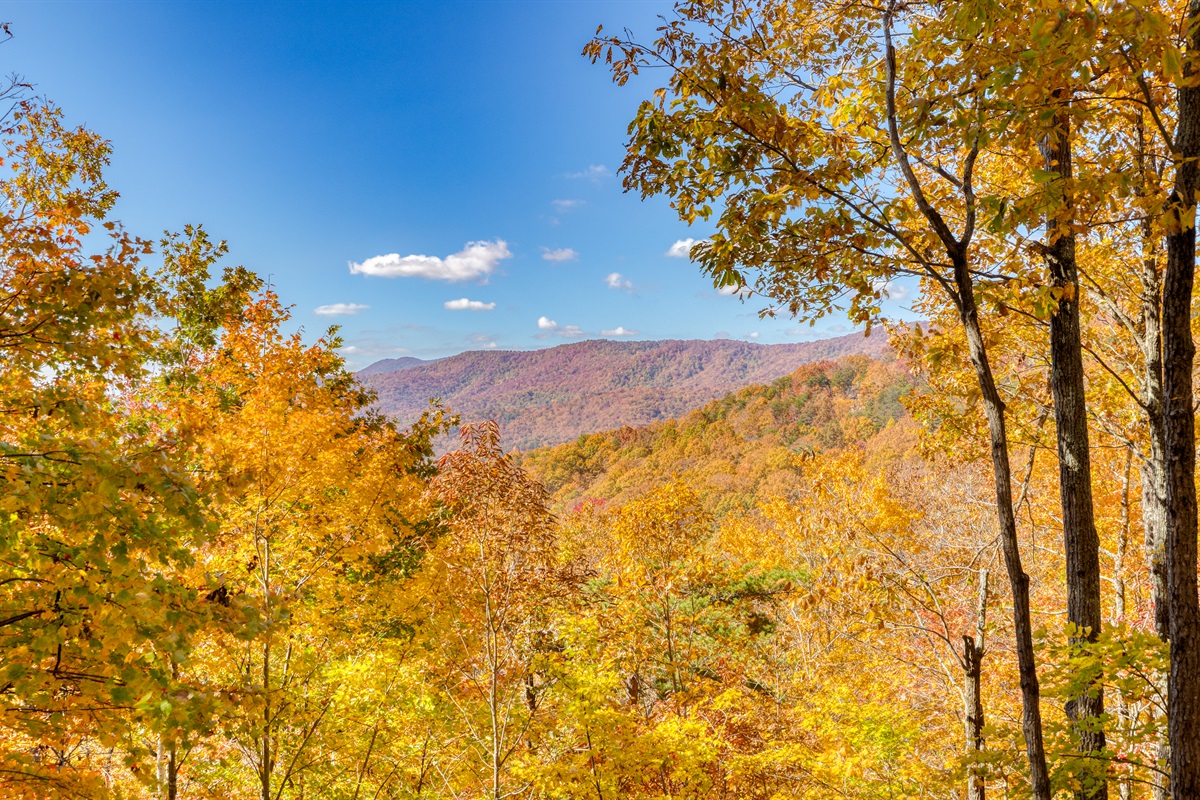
(482,611)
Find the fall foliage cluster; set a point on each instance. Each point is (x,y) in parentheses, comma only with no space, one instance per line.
(971,569)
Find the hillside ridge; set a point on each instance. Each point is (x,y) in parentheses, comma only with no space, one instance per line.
(550,396)
(386,365)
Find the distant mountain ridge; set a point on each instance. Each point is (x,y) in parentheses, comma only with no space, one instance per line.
(391,365)
(545,397)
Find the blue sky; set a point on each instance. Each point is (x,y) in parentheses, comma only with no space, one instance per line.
(335,144)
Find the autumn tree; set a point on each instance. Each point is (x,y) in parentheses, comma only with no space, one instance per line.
(484,591)
(835,169)
(99,508)
(1179,418)
(317,503)
(662,687)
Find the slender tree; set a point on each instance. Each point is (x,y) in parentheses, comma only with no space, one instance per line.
(819,197)
(1180,433)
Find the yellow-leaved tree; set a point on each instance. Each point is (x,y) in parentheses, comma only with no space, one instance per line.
(317,508)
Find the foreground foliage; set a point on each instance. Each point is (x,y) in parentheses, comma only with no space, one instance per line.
(222,574)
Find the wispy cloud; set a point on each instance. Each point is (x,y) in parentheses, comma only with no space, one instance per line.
(339,309)
(827,332)
(619,331)
(683,247)
(752,335)
(593,172)
(566,205)
(549,327)
(484,340)
(893,290)
(559,255)
(463,304)
(371,348)
(475,261)
(616,280)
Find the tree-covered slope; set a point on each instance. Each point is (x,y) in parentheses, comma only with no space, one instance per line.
(749,444)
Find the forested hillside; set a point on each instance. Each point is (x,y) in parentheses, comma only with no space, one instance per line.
(549,396)
(749,445)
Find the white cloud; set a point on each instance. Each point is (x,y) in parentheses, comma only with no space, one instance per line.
(463,304)
(616,280)
(683,247)
(476,260)
(893,290)
(339,309)
(490,346)
(619,331)
(594,172)
(752,335)
(559,255)
(551,328)
(566,205)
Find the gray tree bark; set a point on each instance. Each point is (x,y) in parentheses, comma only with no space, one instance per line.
(973,701)
(1031,716)
(1154,466)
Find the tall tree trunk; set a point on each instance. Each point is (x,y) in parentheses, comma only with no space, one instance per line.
(1031,716)
(1183,709)
(963,295)
(1154,468)
(973,702)
(492,645)
(267,756)
(167,769)
(1081,545)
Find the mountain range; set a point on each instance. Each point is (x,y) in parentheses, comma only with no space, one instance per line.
(545,397)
